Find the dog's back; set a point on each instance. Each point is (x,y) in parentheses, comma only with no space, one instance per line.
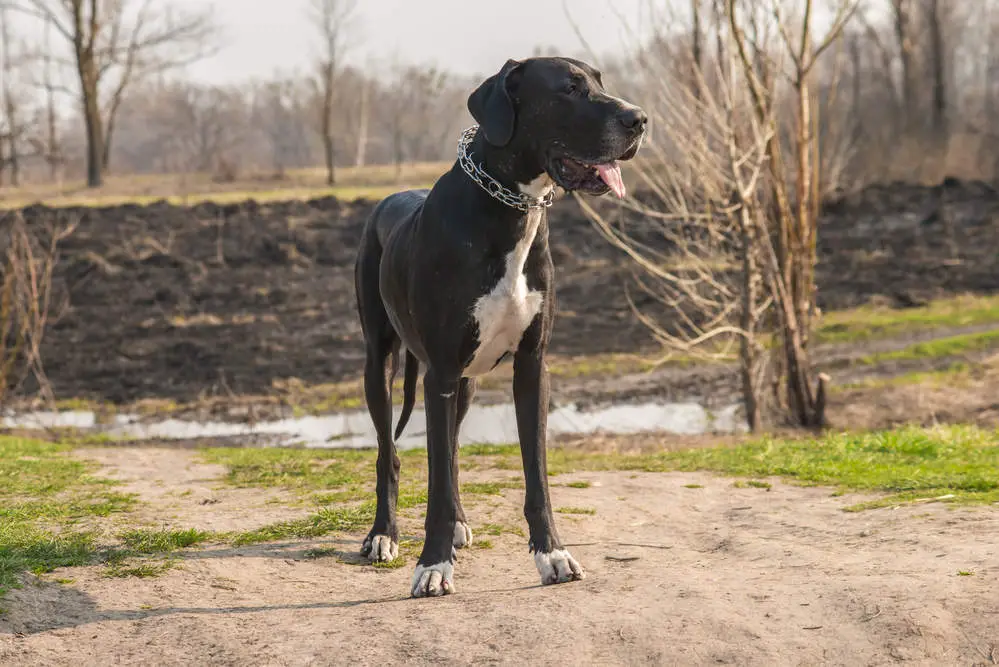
(389,213)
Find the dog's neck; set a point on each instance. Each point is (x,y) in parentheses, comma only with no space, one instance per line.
(516,170)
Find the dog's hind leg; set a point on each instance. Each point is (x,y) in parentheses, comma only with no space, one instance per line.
(382,543)
(381,342)
(462,533)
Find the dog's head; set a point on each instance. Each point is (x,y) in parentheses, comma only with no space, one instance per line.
(556,111)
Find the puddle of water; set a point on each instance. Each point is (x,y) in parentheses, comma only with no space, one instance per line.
(487,424)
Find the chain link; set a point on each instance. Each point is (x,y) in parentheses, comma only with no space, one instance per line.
(496,189)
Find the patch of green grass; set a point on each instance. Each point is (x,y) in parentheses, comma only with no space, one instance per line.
(26,549)
(965,573)
(45,496)
(903,498)
(602,364)
(490,450)
(578,485)
(297,469)
(575,510)
(140,569)
(693,486)
(955,374)
(325,521)
(936,349)
(321,552)
(489,488)
(145,541)
(347,495)
(496,529)
(482,544)
(753,484)
(870,323)
(911,463)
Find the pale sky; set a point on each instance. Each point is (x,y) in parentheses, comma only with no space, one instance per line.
(464,36)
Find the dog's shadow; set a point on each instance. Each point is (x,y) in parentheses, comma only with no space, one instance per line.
(39,606)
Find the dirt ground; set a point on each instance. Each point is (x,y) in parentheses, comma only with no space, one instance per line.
(168,302)
(681,569)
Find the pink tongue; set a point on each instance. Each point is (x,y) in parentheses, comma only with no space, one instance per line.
(610,174)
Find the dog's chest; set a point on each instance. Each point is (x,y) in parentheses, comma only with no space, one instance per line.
(505,312)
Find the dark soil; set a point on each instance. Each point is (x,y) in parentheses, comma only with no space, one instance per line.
(181,303)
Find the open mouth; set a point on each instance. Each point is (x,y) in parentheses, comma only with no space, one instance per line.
(593,178)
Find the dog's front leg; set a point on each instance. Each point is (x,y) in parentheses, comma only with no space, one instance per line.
(530,394)
(434,573)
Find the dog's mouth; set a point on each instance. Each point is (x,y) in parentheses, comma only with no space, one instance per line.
(593,178)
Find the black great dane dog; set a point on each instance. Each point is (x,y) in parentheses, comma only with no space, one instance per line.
(460,276)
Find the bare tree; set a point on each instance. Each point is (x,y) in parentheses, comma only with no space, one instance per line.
(52,146)
(696,236)
(280,113)
(729,252)
(904,28)
(934,20)
(364,115)
(115,44)
(12,127)
(796,227)
(333,20)
(27,293)
(420,110)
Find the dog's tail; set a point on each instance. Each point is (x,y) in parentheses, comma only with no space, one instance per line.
(410,375)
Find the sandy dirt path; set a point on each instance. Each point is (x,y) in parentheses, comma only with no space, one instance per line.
(677,574)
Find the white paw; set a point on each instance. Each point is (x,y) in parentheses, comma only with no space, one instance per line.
(462,535)
(381,548)
(433,580)
(557,567)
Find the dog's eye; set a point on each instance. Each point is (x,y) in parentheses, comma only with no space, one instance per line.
(573,88)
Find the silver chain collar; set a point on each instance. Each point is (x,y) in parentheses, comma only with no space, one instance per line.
(497,190)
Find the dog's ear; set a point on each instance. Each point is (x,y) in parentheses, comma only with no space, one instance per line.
(492,106)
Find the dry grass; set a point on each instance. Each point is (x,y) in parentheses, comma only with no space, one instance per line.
(27,261)
(188,189)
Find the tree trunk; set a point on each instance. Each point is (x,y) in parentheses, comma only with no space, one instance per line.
(905,48)
(14,159)
(856,65)
(362,131)
(92,120)
(397,149)
(109,135)
(329,153)
(95,142)
(747,344)
(695,8)
(937,56)
(53,151)
(10,105)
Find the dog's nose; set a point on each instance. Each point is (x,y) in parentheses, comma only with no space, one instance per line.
(633,119)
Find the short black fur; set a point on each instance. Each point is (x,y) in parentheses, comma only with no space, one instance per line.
(427,256)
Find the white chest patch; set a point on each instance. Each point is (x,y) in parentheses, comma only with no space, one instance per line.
(509,308)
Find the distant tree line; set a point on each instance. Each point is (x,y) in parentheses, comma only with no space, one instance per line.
(909,90)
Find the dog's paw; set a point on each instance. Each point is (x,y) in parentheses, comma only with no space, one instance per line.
(558,566)
(433,580)
(462,535)
(380,548)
